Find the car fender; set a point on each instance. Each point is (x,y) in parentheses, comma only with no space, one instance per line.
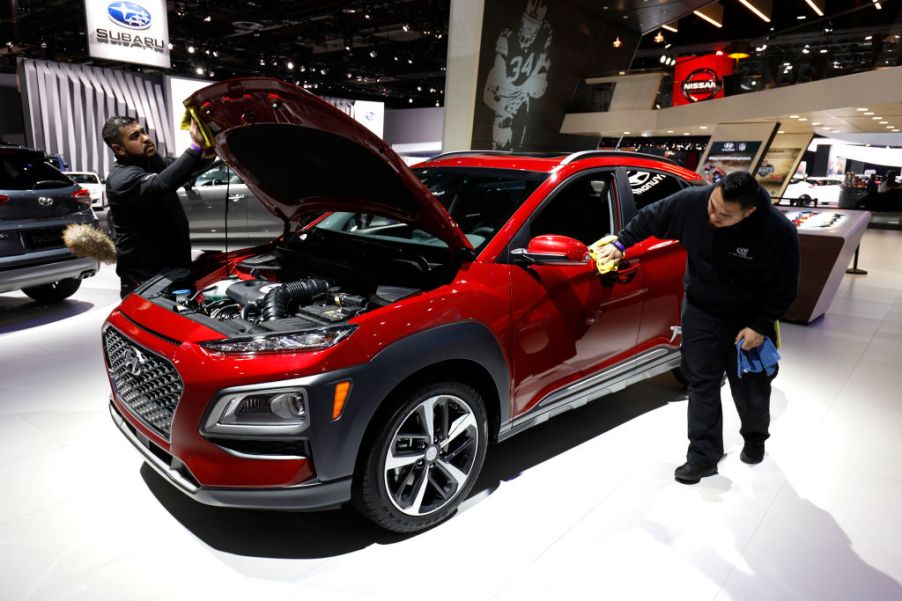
(372,384)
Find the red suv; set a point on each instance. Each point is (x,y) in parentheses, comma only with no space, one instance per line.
(405,319)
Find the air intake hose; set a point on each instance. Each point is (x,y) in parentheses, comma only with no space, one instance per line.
(285,300)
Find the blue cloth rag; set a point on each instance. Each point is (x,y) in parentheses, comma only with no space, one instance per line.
(762,358)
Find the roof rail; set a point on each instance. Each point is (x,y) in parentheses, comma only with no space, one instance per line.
(591,154)
(544,155)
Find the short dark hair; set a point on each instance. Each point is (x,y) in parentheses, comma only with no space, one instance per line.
(111,134)
(741,187)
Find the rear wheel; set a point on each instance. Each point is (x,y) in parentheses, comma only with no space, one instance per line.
(55,292)
(424,461)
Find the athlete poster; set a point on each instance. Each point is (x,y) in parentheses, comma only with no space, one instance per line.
(777,166)
(727,157)
(533,55)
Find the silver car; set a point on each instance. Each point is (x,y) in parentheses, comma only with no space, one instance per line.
(216,198)
(36,203)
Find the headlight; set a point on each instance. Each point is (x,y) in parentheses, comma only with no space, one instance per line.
(273,411)
(306,340)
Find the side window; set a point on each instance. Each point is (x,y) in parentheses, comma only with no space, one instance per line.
(651,186)
(580,209)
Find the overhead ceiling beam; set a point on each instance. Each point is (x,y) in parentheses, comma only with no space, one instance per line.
(762,8)
(712,13)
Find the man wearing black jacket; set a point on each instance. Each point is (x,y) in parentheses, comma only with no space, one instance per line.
(148,223)
(742,274)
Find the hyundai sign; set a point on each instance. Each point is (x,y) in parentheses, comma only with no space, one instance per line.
(130,32)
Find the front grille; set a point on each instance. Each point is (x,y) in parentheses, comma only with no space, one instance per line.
(146,383)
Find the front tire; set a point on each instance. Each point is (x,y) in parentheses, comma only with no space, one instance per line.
(55,292)
(424,460)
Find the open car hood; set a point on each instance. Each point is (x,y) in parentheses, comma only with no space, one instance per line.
(300,155)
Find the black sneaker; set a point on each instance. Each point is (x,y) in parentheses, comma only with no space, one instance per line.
(752,453)
(691,472)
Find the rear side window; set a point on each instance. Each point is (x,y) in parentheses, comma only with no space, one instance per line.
(652,186)
(29,172)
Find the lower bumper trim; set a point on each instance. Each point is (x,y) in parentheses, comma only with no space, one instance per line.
(304,497)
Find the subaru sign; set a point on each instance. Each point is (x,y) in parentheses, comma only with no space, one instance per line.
(128,14)
(131,32)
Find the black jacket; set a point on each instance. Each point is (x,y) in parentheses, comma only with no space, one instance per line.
(747,273)
(149,225)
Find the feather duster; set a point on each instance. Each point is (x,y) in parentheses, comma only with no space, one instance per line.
(85,240)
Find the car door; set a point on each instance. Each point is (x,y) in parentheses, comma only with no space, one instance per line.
(663,262)
(570,322)
(205,206)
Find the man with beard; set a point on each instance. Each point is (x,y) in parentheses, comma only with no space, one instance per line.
(742,274)
(147,220)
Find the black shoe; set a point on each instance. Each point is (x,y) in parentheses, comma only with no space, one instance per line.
(752,453)
(691,472)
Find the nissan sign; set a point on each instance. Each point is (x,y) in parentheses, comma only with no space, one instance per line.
(701,84)
(132,32)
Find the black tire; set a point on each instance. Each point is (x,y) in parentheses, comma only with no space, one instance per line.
(55,292)
(446,468)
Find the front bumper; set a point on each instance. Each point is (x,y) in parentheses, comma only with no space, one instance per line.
(307,496)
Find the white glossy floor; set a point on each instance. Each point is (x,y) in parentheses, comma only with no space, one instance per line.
(582,507)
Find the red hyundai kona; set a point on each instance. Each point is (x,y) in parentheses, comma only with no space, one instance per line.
(404,320)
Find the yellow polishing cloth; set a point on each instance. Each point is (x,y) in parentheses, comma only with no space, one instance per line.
(191,114)
(607,266)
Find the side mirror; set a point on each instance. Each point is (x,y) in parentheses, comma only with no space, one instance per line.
(552,250)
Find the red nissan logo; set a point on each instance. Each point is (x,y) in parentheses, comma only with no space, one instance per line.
(701,84)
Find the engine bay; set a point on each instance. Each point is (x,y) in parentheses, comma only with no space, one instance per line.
(297,285)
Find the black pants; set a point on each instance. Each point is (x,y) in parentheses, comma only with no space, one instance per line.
(708,351)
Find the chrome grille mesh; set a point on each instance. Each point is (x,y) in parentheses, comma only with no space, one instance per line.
(146,383)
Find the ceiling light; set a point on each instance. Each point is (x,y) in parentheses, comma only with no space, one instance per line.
(813,123)
(876,118)
(895,131)
(659,38)
(670,131)
(890,127)
(861,110)
(805,51)
(803,118)
(372,54)
(703,127)
(868,114)
(801,17)
(406,27)
(190,49)
(686,133)
(762,8)
(793,116)
(817,6)
(410,61)
(884,122)
(877,4)
(199,70)
(207,19)
(713,14)
(781,132)
(290,65)
(671,27)
(626,133)
(868,38)
(617,43)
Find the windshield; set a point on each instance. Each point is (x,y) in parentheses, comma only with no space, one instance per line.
(480,201)
(83,178)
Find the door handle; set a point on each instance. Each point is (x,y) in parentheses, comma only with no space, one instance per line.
(626,272)
(236,197)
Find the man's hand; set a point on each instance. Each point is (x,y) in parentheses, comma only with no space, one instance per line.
(608,252)
(752,339)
